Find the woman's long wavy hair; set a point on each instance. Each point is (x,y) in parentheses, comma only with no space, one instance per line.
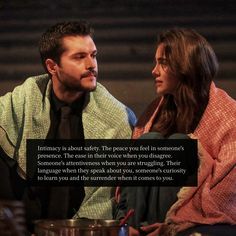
(191,58)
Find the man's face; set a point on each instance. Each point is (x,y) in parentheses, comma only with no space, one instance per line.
(165,81)
(77,71)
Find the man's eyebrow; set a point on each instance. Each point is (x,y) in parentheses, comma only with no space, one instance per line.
(79,53)
(84,53)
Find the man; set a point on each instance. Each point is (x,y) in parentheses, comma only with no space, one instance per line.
(33,111)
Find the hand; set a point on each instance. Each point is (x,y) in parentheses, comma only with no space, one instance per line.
(151,230)
(117,194)
(133,231)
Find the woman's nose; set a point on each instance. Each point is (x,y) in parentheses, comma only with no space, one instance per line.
(156,71)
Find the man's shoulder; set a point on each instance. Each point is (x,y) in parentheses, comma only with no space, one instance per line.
(36,80)
(102,94)
(105,100)
(32,86)
(110,105)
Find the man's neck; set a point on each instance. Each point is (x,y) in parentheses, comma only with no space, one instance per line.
(66,95)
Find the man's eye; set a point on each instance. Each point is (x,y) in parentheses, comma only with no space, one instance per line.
(80,57)
(94,55)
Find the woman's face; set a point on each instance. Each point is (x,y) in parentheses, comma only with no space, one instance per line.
(165,81)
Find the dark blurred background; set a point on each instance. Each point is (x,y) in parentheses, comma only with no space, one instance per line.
(125,35)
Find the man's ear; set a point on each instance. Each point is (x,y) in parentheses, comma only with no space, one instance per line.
(51,66)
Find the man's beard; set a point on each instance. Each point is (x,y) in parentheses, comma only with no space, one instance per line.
(79,86)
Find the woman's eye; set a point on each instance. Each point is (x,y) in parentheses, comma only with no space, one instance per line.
(164,62)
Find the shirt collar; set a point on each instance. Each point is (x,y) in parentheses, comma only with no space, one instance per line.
(57,104)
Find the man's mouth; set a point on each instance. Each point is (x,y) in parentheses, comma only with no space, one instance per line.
(89,74)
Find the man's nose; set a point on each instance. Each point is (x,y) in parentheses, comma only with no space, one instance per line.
(91,63)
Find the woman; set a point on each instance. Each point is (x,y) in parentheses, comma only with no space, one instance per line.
(189,103)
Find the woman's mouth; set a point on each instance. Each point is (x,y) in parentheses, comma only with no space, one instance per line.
(158,82)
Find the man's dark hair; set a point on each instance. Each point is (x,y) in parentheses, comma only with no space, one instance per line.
(50,44)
